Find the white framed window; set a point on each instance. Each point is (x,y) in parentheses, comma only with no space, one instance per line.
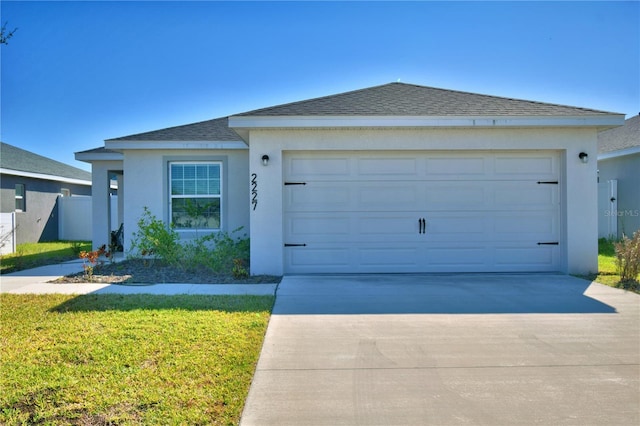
(20,198)
(195,195)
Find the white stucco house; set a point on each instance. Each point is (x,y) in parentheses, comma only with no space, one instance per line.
(394,178)
(619,176)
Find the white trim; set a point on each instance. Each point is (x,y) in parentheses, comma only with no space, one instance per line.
(44,176)
(248,122)
(99,156)
(620,153)
(175,145)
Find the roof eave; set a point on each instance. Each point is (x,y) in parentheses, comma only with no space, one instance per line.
(619,153)
(600,121)
(43,176)
(150,144)
(89,157)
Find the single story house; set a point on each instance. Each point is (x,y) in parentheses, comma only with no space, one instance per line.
(619,177)
(30,187)
(388,179)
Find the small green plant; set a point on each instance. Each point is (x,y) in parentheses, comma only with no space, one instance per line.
(239,271)
(154,238)
(628,258)
(92,260)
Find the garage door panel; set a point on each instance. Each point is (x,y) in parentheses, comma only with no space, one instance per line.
(524,164)
(320,259)
(403,258)
(525,195)
(378,196)
(460,257)
(387,167)
(314,167)
(319,197)
(316,226)
(519,258)
(454,166)
(533,226)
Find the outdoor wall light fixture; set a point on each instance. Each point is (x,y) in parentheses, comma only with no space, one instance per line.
(584,157)
(265,159)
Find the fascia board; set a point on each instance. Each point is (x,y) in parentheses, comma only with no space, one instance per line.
(248,122)
(620,153)
(175,144)
(88,157)
(44,177)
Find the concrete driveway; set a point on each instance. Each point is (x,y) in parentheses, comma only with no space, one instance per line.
(448,350)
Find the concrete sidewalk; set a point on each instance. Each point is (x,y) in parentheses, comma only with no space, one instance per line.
(486,349)
(36,281)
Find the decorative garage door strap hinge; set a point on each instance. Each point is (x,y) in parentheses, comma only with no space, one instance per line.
(295,183)
(552,243)
(294,245)
(548,182)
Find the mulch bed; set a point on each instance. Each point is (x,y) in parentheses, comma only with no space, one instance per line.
(139,271)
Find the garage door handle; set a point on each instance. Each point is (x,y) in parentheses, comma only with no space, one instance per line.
(422,226)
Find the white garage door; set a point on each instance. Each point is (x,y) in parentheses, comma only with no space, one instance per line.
(350,212)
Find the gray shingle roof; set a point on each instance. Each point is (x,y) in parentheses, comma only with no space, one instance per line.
(619,138)
(209,130)
(393,99)
(401,99)
(17,159)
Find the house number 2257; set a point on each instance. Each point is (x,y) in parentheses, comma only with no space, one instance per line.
(254,190)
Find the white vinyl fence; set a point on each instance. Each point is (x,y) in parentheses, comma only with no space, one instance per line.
(75,217)
(7,233)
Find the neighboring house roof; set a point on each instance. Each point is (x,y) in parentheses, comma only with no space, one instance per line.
(619,141)
(401,99)
(209,130)
(17,161)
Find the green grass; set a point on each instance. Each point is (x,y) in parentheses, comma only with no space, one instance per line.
(128,360)
(31,255)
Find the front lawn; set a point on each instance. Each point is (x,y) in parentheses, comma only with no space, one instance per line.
(31,255)
(136,359)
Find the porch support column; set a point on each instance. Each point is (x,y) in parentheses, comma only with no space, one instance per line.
(100,232)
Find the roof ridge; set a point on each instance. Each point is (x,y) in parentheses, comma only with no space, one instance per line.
(286,104)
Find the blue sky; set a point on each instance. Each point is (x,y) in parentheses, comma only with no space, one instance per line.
(76,73)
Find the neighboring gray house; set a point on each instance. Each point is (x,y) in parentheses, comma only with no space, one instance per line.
(619,180)
(393,178)
(30,186)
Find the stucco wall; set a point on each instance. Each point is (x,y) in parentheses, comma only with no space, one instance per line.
(626,170)
(145,181)
(578,185)
(40,220)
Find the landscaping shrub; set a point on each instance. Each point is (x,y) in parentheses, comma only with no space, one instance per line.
(220,252)
(628,257)
(153,238)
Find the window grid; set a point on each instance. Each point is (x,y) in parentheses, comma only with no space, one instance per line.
(195,193)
